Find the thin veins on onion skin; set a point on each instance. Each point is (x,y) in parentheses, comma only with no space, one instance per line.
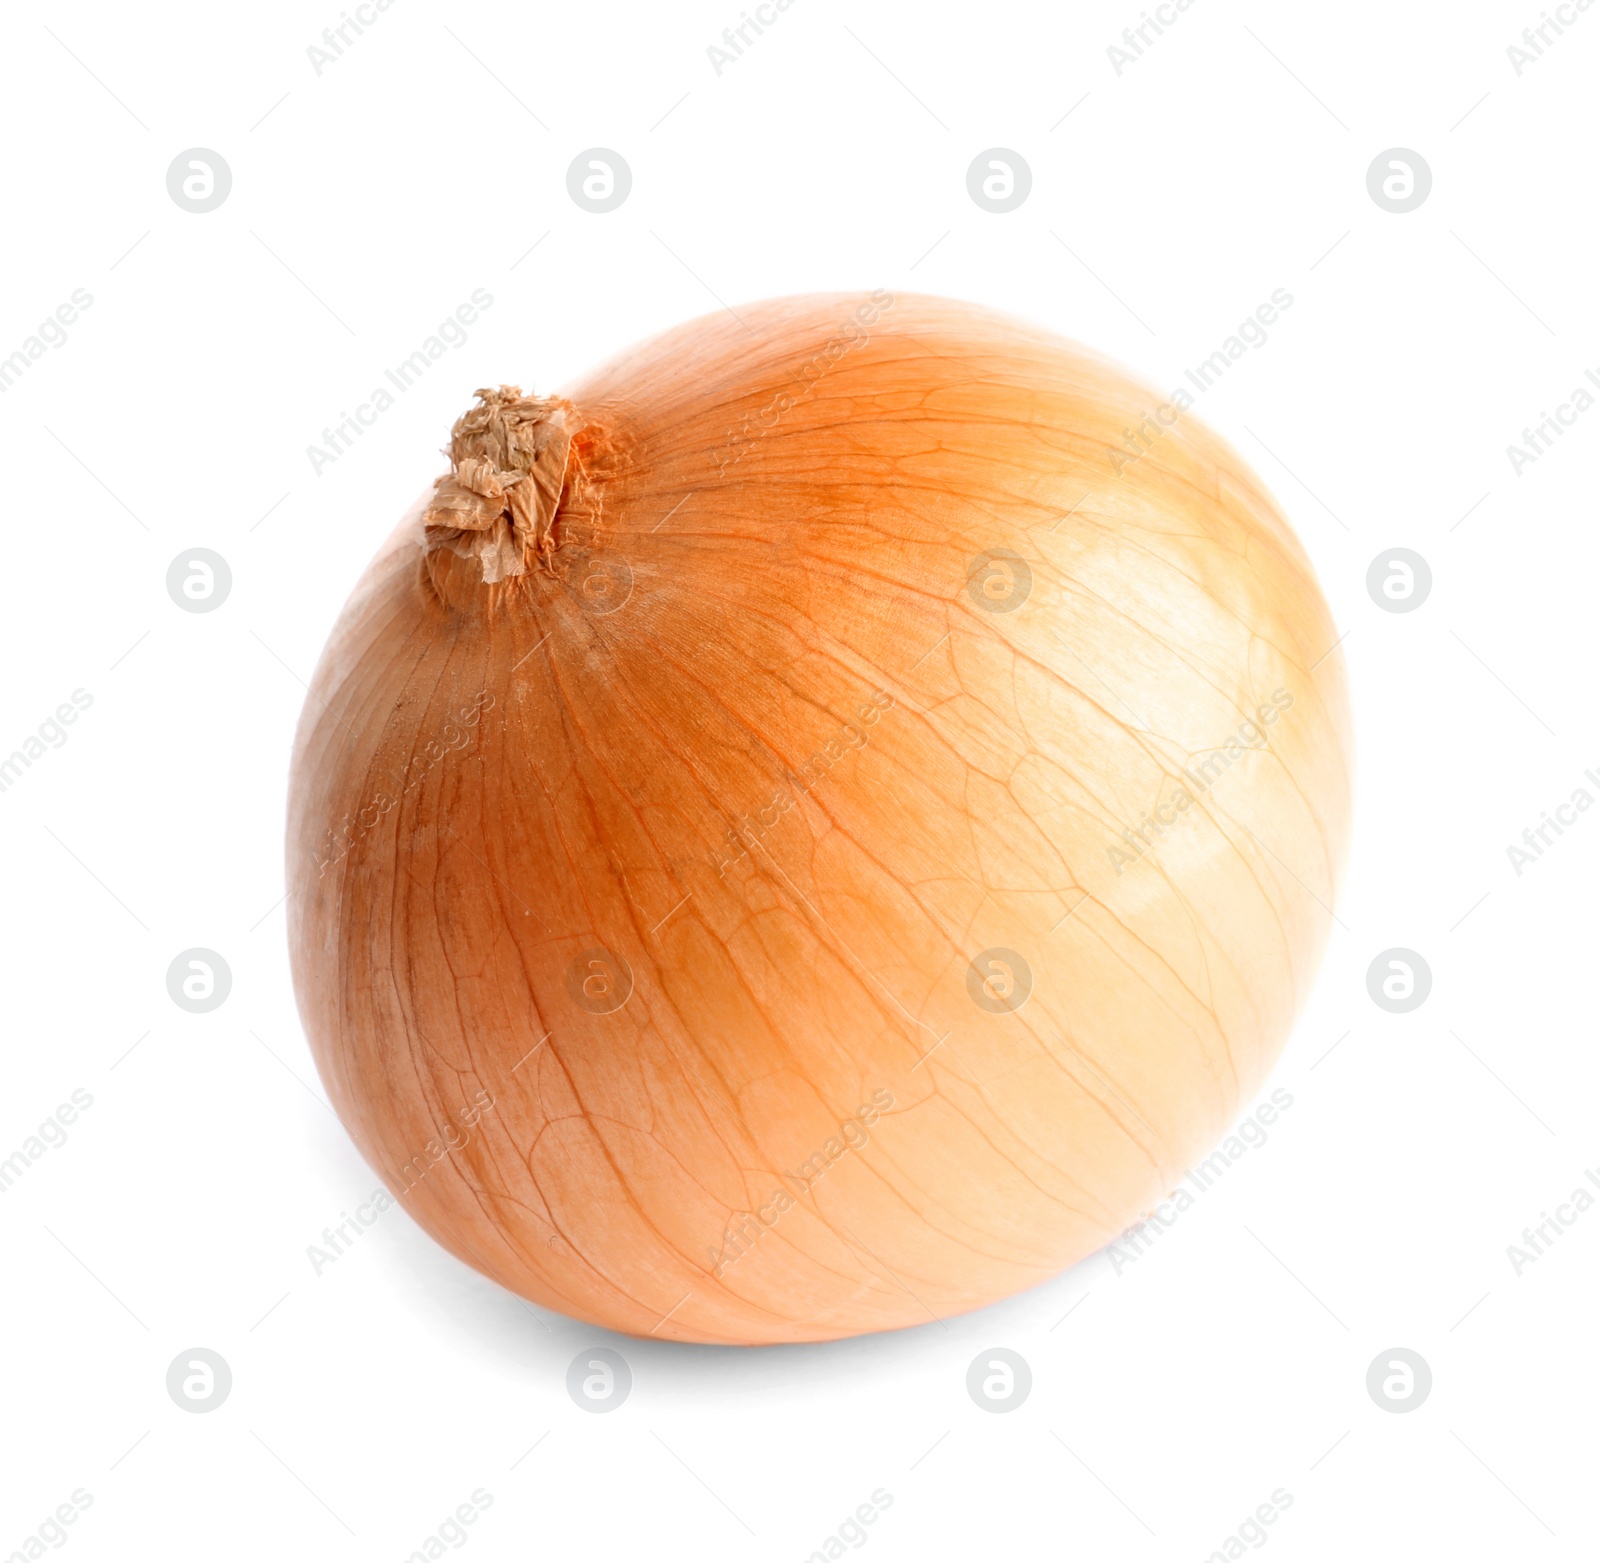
(958,956)
(686,760)
(1079,1083)
(1064,1201)
(1197,923)
(1203,1003)
(1164,560)
(950,1234)
(592,1120)
(694,1265)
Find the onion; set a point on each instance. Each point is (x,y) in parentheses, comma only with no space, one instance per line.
(817,827)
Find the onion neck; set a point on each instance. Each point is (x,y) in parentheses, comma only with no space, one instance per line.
(493,515)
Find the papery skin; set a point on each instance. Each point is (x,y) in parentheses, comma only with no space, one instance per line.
(446,873)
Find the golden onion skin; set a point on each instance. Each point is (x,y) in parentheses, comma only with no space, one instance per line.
(635,898)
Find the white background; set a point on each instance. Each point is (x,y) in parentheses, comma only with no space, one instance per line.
(1167,203)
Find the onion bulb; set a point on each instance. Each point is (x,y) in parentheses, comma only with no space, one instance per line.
(816,827)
